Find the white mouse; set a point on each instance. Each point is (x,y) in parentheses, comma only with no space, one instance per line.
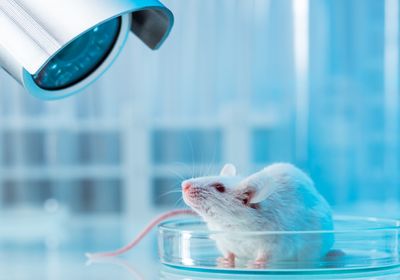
(280,197)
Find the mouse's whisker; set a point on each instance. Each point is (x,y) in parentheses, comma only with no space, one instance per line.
(171,192)
(178,202)
(189,141)
(179,163)
(204,162)
(207,167)
(174,191)
(187,170)
(213,161)
(180,176)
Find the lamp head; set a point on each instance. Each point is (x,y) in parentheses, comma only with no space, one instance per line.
(56,48)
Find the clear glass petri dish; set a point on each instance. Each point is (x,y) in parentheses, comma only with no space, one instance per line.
(360,243)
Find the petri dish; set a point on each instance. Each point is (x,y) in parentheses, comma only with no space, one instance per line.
(360,243)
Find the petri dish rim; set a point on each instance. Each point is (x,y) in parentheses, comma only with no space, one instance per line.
(167,226)
(285,272)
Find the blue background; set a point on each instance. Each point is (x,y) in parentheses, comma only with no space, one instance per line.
(252,82)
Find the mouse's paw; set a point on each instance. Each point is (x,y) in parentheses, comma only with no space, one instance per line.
(226,262)
(257,264)
(260,262)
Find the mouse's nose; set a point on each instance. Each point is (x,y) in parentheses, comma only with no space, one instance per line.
(186,186)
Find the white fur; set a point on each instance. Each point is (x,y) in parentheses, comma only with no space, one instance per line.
(286,201)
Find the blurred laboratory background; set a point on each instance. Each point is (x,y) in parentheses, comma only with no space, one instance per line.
(251,82)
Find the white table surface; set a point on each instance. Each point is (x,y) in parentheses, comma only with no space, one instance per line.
(61,256)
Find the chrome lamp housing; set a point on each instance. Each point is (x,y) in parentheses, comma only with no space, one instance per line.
(55,48)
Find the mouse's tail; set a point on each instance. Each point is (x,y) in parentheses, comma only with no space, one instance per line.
(142,234)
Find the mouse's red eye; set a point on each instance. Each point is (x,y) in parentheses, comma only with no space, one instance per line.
(219,187)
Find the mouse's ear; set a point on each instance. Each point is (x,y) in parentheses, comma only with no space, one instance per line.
(228,170)
(260,194)
(250,194)
(255,189)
